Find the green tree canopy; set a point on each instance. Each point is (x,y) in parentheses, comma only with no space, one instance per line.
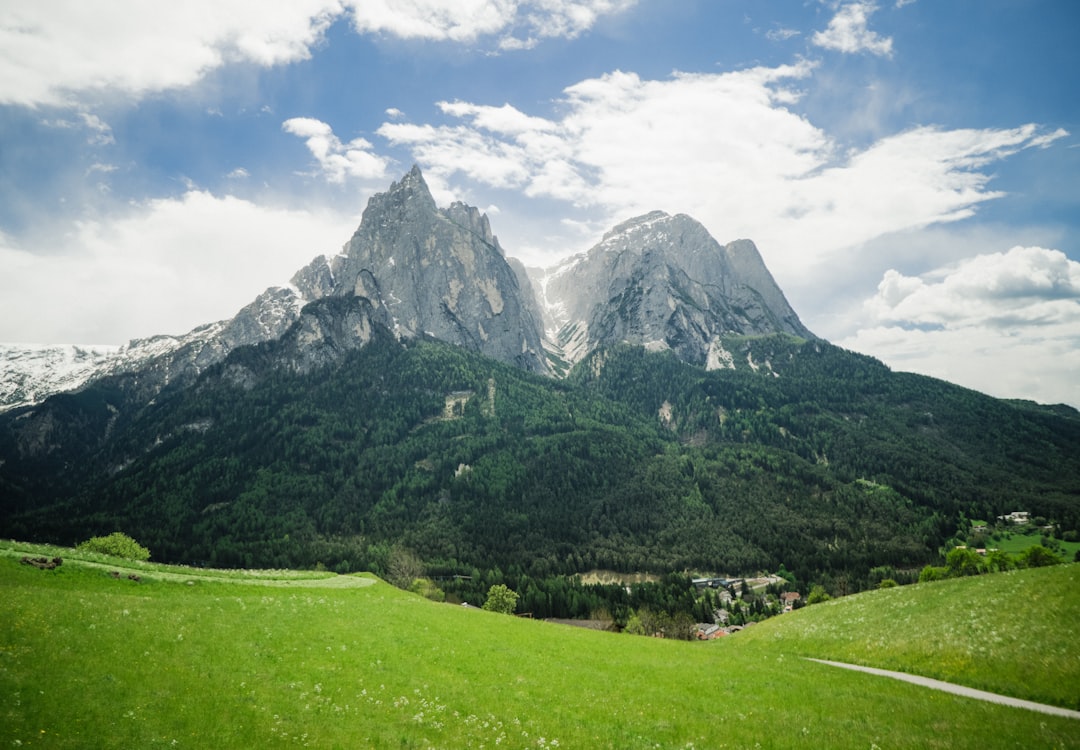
(502,599)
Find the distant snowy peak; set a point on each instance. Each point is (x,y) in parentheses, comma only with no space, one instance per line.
(30,372)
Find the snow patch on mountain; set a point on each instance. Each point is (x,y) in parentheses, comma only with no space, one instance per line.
(30,372)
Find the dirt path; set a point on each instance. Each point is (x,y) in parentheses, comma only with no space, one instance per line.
(949,687)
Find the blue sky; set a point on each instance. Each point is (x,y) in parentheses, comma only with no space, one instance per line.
(906,167)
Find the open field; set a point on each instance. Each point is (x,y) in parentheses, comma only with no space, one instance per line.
(87,659)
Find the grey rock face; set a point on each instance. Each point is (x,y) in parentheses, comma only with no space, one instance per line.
(663,282)
(442,273)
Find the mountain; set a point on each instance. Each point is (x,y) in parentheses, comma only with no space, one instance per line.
(401,393)
(659,281)
(663,282)
(441,273)
(425,270)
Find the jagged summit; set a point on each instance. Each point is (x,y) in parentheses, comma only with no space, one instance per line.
(439,272)
(406,199)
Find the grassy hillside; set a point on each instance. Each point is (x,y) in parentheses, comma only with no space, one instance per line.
(185,658)
(1012,633)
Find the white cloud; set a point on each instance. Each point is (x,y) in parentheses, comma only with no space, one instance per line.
(742,161)
(54,52)
(1004,323)
(457,20)
(519,23)
(1025,286)
(51,50)
(848,32)
(337,160)
(167,267)
(100,131)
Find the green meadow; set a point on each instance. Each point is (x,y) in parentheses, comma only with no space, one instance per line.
(194,658)
(1014,544)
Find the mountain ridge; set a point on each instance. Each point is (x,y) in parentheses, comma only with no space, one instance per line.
(442,272)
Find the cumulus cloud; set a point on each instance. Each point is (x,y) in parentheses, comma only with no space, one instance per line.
(1022,287)
(50,51)
(337,160)
(1006,323)
(169,266)
(848,32)
(54,52)
(742,161)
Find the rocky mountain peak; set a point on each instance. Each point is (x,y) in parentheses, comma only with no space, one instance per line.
(439,272)
(663,282)
(407,197)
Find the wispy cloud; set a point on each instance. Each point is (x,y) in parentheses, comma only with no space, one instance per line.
(849,32)
(517,24)
(781,34)
(744,163)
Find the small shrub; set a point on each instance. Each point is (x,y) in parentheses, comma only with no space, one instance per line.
(426,588)
(116,544)
(501,599)
(1037,557)
(932,573)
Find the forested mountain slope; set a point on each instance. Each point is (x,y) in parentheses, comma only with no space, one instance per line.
(803,454)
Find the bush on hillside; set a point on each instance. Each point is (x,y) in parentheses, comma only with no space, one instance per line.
(817,594)
(1038,557)
(426,588)
(501,599)
(116,544)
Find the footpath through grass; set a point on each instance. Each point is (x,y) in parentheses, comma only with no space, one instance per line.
(1012,633)
(89,660)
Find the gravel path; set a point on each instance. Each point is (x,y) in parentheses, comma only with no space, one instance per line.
(949,687)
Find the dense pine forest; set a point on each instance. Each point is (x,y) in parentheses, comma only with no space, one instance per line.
(805,456)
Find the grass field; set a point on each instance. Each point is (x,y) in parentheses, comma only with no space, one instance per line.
(1014,544)
(186,658)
